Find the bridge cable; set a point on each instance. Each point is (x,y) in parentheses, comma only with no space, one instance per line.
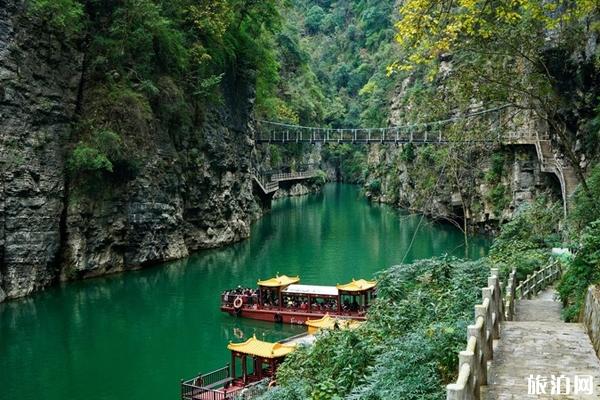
(407,126)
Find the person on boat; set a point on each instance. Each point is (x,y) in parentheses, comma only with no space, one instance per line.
(346,306)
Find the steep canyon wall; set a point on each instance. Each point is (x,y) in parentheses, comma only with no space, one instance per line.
(192,190)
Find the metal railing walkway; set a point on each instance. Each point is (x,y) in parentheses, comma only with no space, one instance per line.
(270,184)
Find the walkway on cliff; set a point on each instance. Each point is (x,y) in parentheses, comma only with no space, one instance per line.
(536,346)
(271,184)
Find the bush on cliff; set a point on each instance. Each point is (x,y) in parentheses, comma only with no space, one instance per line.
(583,271)
(65,16)
(524,243)
(586,206)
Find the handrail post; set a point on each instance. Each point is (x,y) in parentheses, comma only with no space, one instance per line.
(467,357)
(494,281)
(480,361)
(487,348)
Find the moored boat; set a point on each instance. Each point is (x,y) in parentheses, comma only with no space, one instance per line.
(331,323)
(259,362)
(284,299)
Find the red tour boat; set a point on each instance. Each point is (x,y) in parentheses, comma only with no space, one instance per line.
(259,362)
(283,299)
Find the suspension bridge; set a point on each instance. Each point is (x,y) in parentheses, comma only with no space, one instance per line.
(501,129)
(435,132)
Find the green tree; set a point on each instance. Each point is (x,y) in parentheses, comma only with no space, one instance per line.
(501,52)
(314,19)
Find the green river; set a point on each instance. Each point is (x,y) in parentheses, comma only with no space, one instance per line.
(135,335)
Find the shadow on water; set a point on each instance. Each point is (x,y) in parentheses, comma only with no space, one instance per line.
(135,335)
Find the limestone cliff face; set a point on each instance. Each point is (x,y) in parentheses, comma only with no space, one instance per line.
(183,199)
(39,78)
(191,192)
(520,182)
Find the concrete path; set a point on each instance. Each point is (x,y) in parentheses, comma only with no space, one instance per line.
(539,343)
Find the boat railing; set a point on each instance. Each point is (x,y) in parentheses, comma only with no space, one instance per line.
(251,390)
(204,386)
(248,300)
(191,392)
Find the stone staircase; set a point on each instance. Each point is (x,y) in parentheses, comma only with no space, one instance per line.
(519,347)
(536,343)
(564,172)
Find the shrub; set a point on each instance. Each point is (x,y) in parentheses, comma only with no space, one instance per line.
(101,152)
(494,174)
(524,242)
(320,178)
(314,18)
(586,207)
(65,16)
(408,153)
(88,159)
(583,271)
(498,197)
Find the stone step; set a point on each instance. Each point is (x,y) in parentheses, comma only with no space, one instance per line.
(539,343)
(538,310)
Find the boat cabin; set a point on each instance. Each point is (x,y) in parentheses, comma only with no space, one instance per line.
(259,361)
(331,323)
(284,299)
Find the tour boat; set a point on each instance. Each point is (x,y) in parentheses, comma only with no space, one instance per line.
(330,323)
(259,361)
(283,299)
(225,383)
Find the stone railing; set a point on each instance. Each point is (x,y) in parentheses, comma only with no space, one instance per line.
(472,370)
(498,305)
(591,316)
(538,281)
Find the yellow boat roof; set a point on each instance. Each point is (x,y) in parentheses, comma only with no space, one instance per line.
(255,347)
(357,285)
(279,281)
(328,322)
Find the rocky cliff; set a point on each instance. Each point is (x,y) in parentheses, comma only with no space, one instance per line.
(490,191)
(38,90)
(192,190)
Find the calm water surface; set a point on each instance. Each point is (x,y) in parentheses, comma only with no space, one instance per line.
(133,336)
